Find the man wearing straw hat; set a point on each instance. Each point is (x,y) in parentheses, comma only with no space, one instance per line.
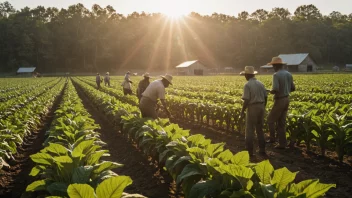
(255,98)
(142,85)
(155,91)
(282,87)
(107,79)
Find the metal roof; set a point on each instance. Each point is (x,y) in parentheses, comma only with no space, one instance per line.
(186,64)
(25,69)
(293,59)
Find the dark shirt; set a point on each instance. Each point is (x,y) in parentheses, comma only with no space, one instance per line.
(142,86)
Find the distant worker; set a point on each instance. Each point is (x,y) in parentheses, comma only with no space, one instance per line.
(255,99)
(155,91)
(98,80)
(107,79)
(127,84)
(142,85)
(281,88)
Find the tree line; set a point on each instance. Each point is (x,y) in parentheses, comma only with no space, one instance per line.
(78,39)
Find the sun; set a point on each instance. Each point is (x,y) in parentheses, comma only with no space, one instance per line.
(174,9)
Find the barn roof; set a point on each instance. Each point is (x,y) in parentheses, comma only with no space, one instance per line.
(25,69)
(293,59)
(186,64)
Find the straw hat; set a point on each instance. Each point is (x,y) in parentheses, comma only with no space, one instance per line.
(248,70)
(146,75)
(128,72)
(276,60)
(168,77)
(107,73)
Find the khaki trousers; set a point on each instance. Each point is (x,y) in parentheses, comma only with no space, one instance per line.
(278,115)
(254,122)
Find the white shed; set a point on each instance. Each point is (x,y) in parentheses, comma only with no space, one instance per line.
(26,71)
(189,68)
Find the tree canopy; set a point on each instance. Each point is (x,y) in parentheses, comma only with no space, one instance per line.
(78,39)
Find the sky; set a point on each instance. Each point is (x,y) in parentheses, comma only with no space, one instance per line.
(204,7)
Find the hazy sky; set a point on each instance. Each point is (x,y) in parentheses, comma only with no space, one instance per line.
(230,7)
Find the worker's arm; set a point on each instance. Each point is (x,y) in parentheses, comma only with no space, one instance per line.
(266,101)
(244,107)
(163,101)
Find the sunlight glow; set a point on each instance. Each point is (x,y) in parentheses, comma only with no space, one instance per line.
(174,9)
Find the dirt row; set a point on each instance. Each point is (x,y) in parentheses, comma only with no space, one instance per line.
(309,164)
(13,181)
(147,179)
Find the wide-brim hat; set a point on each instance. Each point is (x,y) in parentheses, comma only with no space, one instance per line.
(276,60)
(146,75)
(168,77)
(107,73)
(128,72)
(248,70)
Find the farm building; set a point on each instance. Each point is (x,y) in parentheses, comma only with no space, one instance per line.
(26,71)
(298,62)
(191,68)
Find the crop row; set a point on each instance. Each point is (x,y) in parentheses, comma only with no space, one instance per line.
(199,167)
(324,124)
(70,165)
(15,127)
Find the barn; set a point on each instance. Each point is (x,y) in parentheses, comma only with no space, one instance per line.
(191,68)
(298,62)
(26,71)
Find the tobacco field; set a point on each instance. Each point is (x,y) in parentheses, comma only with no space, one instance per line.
(63,137)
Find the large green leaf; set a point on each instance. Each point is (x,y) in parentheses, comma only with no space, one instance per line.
(113,187)
(63,159)
(241,158)
(268,190)
(282,178)
(197,153)
(58,189)
(42,158)
(54,148)
(80,191)
(188,171)
(36,170)
(317,189)
(106,165)
(214,149)
(95,157)
(264,170)
(225,156)
(37,185)
(81,174)
(82,148)
(241,173)
(196,140)
(204,189)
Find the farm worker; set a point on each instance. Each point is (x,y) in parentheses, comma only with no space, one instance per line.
(281,88)
(127,87)
(155,91)
(107,79)
(98,80)
(255,98)
(142,85)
